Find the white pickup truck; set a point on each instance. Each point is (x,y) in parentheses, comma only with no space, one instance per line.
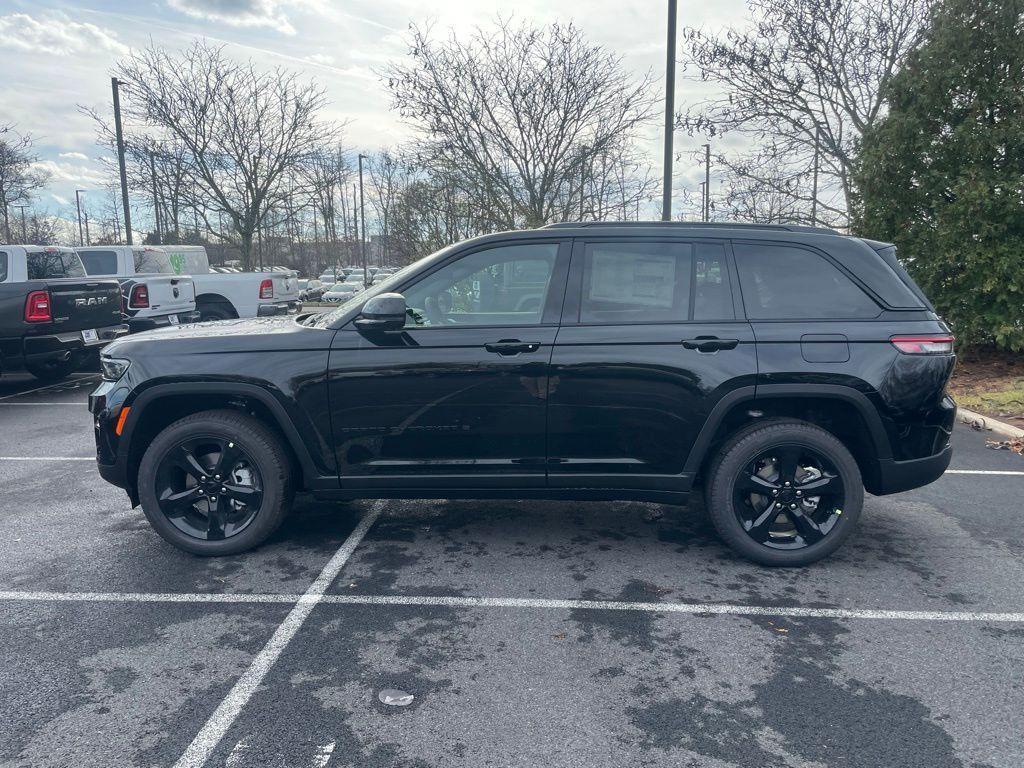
(220,296)
(153,295)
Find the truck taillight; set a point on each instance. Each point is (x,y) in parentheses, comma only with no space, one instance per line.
(37,307)
(140,297)
(267,289)
(930,344)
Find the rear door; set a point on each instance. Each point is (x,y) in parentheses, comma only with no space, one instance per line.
(651,339)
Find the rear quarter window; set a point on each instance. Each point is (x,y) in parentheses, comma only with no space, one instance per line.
(783,282)
(47,265)
(3,266)
(153,262)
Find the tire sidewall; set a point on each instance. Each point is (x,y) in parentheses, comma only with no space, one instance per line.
(737,454)
(253,440)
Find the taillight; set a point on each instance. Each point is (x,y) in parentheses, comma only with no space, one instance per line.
(140,297)
(37,307)
(267,289)
(932,344)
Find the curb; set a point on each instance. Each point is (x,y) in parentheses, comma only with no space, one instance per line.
(973,418)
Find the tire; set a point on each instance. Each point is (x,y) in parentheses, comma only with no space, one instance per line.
(215,311)
(743,516)
(53,370)
(259,454)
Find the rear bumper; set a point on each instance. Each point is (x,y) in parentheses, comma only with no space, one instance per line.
(137,324)
(278,308)
(895,476)
(42,349)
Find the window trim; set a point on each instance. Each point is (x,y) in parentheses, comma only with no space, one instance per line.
(828,259)
(573,306)
(554,300)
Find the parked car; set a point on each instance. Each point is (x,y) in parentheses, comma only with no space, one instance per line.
(237,294)
(340,292)
(52,315)
(152,294)
(780,371)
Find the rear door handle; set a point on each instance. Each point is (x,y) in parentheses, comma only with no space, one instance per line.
(710,343)
(512,346)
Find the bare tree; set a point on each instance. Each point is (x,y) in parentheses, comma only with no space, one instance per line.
(19,180)
(522,113)
(808,78)
(240,131)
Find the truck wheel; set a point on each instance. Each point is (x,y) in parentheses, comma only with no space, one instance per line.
(53,370)
(215,312)
(784,493)
(215,483)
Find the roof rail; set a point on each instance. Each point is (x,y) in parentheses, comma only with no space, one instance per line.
(691,225)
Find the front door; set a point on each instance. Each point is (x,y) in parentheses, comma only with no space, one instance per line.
(456,399)
(650,341)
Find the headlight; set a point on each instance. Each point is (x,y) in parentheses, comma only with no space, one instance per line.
(113,368)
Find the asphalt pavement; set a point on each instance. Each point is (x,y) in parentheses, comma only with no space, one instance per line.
(528,633)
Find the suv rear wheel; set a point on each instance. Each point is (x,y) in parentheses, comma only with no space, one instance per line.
(784,493)
(215,483)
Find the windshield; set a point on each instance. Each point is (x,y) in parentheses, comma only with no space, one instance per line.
(384,286)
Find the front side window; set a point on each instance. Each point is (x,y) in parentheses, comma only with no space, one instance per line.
(507,285)
(783,282)
(99,262)
(50,264)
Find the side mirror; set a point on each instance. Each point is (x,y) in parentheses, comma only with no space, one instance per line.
(384,312)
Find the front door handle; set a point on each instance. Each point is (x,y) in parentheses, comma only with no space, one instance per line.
(512,346)
(710,343)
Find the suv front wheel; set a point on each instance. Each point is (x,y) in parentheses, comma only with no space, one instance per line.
(784,493)
(215,483)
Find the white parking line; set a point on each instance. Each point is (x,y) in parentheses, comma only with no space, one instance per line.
(47,458)
(83,378)
(430,601)
(984,472)
(77,404)
(220,721)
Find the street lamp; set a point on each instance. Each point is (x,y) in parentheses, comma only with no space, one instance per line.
(114,83)
(362,216)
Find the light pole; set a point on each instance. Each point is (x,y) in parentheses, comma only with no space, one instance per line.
(156,201)
(362,216)
(707,182)
(114,83)
(78,205)
(670,99)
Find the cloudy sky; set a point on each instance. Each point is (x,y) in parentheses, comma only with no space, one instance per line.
(56,55)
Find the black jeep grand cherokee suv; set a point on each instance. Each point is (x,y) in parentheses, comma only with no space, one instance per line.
(782,369)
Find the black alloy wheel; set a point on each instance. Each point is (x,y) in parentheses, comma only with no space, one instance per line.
(784,492)
(216,482)
(209,488)
(789,497)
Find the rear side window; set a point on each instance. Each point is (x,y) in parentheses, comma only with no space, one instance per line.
(782,282)
(636,282)
(99,262)
(3,266)
(153,262)
(45,265)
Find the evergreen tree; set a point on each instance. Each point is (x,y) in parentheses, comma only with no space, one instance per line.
(942,175)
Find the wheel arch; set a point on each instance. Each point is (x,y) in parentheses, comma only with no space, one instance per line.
(158,406)
(841,410)
(215,298)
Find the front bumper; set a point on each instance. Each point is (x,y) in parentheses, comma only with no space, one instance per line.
(278,308)
(139,324)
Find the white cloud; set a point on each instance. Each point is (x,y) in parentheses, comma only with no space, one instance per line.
(238,13)
(60,200)
(55,34)
(73,156)
(321,58)
(70,173)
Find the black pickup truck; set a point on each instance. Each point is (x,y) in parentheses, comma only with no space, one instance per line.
(52,315)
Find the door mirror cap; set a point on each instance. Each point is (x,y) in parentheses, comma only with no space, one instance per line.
(383,312)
